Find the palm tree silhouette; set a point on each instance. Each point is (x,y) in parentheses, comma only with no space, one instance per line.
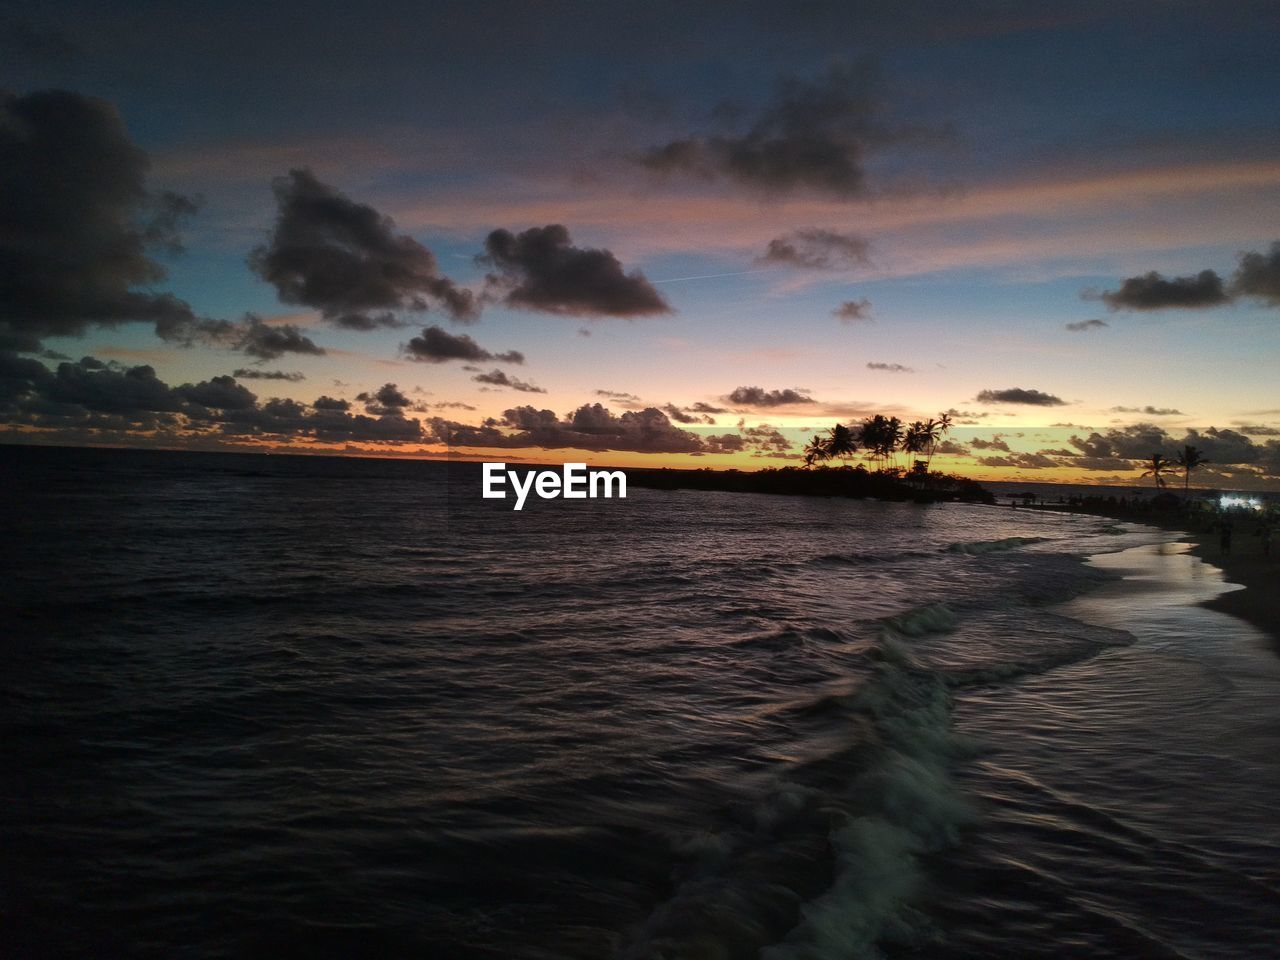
(815,450)
(1157,466)
(936,430)
(840,442)
(1188,460)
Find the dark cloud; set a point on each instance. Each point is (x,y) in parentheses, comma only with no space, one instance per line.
(814,136)
(1223,445)
(701,407)
(1155,292)
(498,378)
(1018,395)
(540,269)
(386,399)
(267,341)
(1079,326)
(1135,442)
(438,346)
(724,443)
(1150,411)
(817,250)
(967,416)
(765,439)
(853,311)
(995,443)
(680,415)
(1258,430)
(76,222)
(96,401)
(250,374)
(590,427)
(1259,275)
(618,395)
(1023,461)
(759,397)
(951,447)
(221,392)
(890,367)
(346,260)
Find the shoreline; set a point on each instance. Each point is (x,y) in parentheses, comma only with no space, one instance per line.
(1259,602)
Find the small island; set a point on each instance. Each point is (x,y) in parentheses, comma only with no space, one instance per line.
(901,454)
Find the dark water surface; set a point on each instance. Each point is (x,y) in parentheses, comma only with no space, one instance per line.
(267,706)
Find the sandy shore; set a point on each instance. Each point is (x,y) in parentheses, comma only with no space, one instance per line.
(1259,602)
(1244,563)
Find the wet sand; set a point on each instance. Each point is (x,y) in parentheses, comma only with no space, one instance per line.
(1259,602)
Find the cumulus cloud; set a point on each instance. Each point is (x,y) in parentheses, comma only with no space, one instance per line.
(94,400)
(1079,326)
(853,311)
(76,222)
(701,407)
(1259,275)
(1135,442)
(589,427)
(346,260)
(995,443)
(890,367)
(1019,395)
(814,136)
(540,269)
(268,341)
(681,415)
(498,378)
(1023,461)
(439,346)
(386,399)
(817,250)
(251,374)
(759,397)
(1155,292)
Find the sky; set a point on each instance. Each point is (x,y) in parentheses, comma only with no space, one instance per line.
(668,234)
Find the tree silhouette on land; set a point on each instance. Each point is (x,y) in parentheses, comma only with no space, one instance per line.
(841,443)
(1157,467)
(1188,460)
(881,438)
(815,451)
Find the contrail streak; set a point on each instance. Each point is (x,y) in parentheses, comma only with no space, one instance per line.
(707,276)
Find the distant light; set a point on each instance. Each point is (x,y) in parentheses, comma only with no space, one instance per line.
(1230,501)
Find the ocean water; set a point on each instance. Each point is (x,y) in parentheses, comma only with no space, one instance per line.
(275,706)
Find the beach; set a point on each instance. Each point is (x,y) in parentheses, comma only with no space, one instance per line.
(1259,602)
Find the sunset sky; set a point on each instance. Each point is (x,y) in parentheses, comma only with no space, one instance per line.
(419,229)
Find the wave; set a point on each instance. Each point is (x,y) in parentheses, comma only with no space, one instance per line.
(827,860)
(930,618)
(979,547)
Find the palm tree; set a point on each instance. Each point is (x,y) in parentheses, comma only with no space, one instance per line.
(840,442)
(936,429)
(1156,467)
(1188,460)
(893,439)
(916,440)
(815,451)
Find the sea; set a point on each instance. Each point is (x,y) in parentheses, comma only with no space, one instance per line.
(279,706)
